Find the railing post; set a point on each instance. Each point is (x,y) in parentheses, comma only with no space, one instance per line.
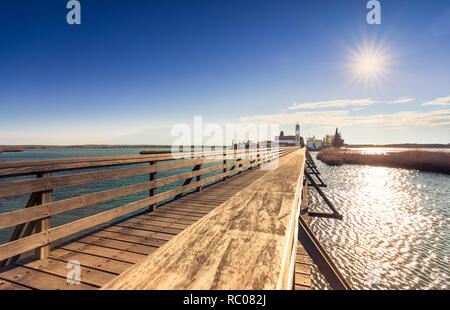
(258,155)
(225,162)
(199,167)
(44,224)
(152,192)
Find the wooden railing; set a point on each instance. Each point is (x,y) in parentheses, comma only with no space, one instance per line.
(33,229)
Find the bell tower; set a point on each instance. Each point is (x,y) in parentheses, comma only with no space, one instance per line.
(297,134)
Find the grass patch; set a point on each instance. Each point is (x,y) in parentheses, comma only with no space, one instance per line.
(432,161)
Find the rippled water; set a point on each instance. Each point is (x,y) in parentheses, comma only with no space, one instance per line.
(395,232)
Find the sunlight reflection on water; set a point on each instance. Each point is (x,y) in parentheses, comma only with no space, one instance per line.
(385,150)
(394,234)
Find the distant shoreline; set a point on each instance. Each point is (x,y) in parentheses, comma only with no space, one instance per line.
(119,146)
(403,145)
(83,146)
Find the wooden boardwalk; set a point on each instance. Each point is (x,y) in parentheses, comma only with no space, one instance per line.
(240,219)
(248,242)
(110,250)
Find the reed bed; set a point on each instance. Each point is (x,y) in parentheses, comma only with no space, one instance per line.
(432,161)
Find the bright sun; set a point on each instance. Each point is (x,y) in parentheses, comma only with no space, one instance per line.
(369,63)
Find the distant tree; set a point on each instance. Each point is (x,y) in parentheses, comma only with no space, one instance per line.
(337,140)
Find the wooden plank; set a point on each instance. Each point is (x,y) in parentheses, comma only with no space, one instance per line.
(161,223)
(101,251)
(156,220)
(10,286)
(303,268)
(91,261)
(40,280)
(185,211)
(43,225)
(302,288)
(118,244)
(149,227)
(302,259)
(195,207)
(170,219)
(175,214)
(245,243)
(88,275)
(301,279)
(138,232)
(129,238)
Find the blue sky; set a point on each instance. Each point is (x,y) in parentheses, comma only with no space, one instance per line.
(134,69)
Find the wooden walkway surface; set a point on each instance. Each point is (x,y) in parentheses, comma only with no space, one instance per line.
(110,250)
(302,274)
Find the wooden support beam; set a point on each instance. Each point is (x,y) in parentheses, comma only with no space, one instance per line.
(312,166)
(199,177)
(44,224)
(336,214)
(152,192)
(224,162)
(321,258)
(34,198)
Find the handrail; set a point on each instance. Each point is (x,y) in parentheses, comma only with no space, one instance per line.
(19,168)
(42,212)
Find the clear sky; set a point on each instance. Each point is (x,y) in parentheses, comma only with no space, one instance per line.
(134,69)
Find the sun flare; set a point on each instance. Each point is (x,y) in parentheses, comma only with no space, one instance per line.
(369,63)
